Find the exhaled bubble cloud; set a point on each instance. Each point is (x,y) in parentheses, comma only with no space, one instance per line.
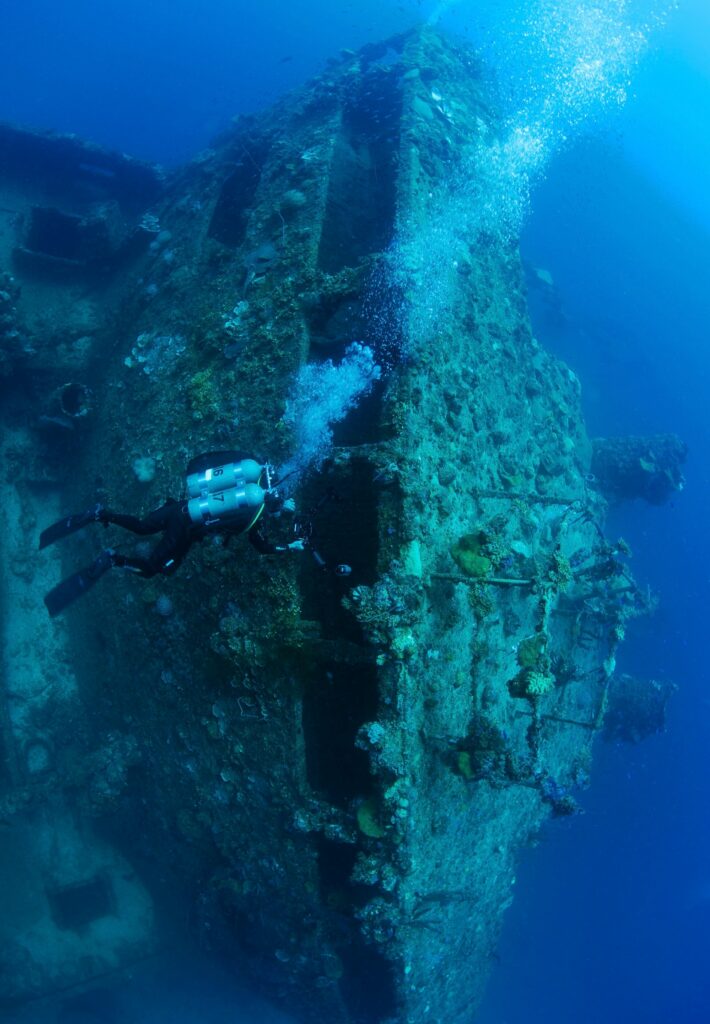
(322,395)
(562,64)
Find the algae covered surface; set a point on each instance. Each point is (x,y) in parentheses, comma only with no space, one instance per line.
(324,778)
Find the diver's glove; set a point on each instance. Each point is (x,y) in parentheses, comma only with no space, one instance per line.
(289,505)
(295,545)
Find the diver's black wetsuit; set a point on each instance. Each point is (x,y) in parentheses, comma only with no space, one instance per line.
(179,534)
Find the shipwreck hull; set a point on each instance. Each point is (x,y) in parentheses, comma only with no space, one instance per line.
(332,777)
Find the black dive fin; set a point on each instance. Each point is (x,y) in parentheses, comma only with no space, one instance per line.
(66,592)
(70,524)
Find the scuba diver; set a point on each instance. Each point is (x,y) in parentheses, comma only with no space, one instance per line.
(227,494)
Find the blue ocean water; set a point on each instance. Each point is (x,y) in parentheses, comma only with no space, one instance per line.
(612,917)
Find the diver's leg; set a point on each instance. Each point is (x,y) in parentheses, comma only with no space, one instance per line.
(144,527)
(140,566)
(163,560)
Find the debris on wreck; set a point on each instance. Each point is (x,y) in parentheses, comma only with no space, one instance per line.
(637,708)
(639,467)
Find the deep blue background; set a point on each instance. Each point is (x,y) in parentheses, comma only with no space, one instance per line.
(612,918)
(158,78)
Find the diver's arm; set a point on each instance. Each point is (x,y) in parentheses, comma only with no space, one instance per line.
(265,547)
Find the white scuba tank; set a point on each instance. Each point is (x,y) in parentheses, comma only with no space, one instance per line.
(220,478)
(235,503)
(231,492)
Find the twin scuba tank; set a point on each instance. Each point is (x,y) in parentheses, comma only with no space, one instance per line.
(232,494)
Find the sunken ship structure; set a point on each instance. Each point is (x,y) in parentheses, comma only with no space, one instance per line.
(326,782)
